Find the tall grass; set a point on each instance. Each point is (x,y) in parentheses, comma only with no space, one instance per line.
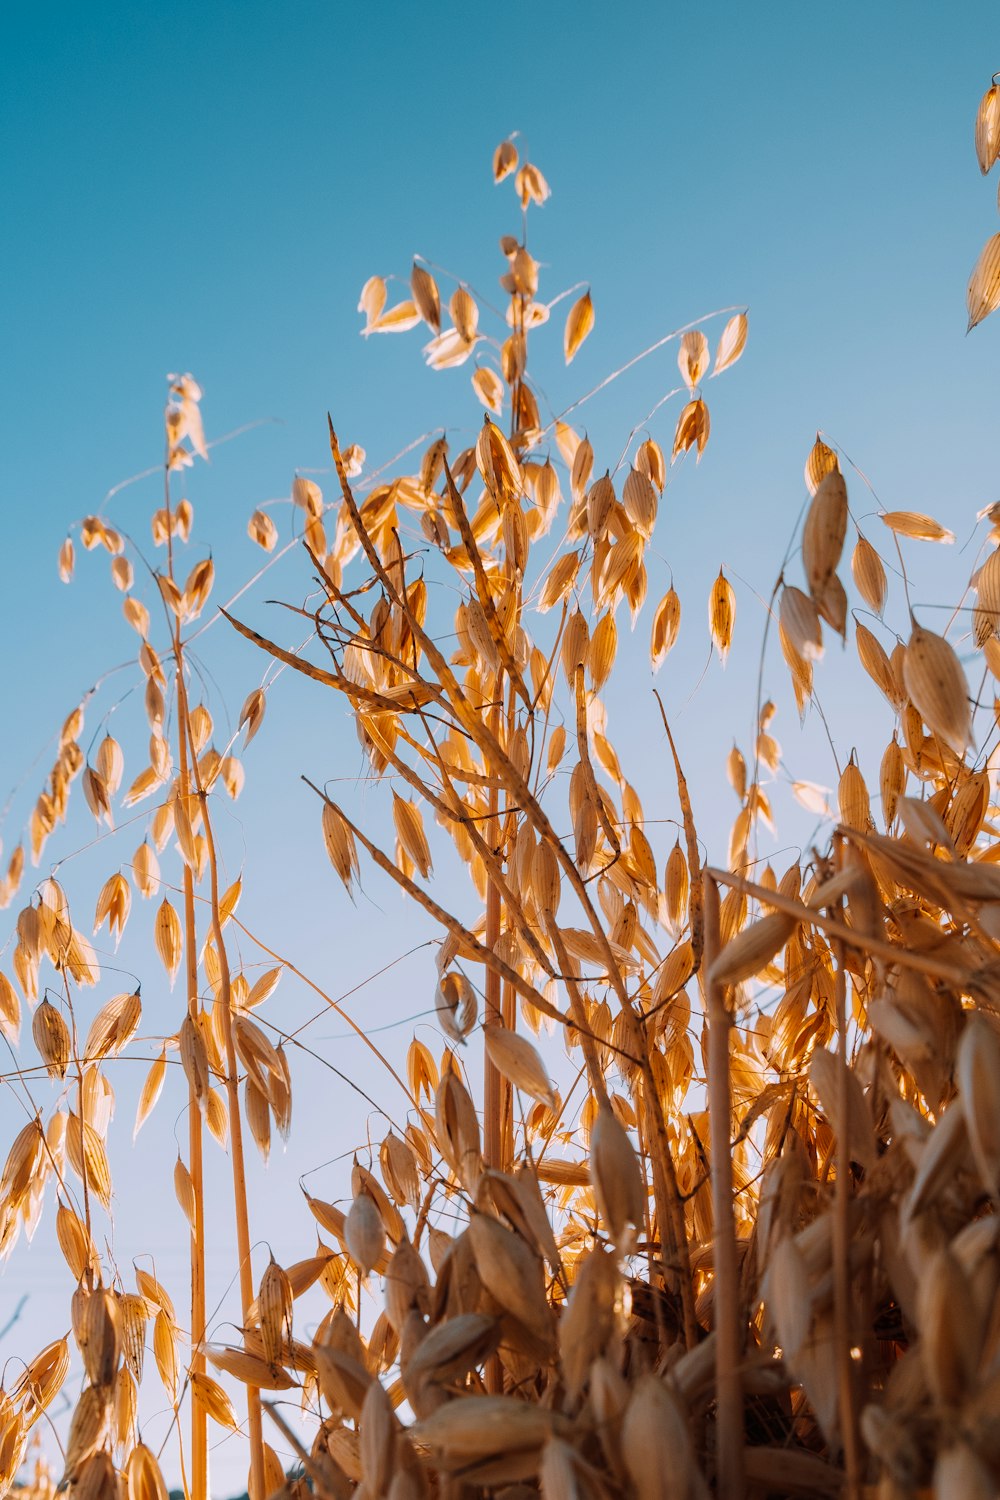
(751,1245)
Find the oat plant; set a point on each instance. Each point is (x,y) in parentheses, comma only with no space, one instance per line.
(699,1195)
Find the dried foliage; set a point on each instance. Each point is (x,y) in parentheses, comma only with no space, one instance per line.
(755,1248)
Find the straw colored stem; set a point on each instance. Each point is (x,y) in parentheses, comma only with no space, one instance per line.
(843,1336)
(199,1417)
(243,1242)
(492,1081)
(728,1321)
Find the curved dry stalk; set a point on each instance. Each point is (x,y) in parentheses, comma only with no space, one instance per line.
(483,954)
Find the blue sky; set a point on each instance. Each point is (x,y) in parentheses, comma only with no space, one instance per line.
(207,188)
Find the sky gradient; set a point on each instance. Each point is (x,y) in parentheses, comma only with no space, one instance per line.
(207,189)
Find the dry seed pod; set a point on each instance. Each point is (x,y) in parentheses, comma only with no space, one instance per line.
(516,1060)
(378,1425)
(364,1233)
(978,1075)
(988,129)
(693,358)
(722,614)
(99,1337)
(43,1379)
(504,160)
(74,1242)
(168,937)
(274,1309)
(250,1369)
(800,623)
(987,583)
(821,462)
(879,667)
(407,1285)
(602,650)
(426,297)
(52,1038)
(476,1428)
(732,342)
(983,296)
(675,888)
(656,1442)
(639,501)
(559,581)
(399,1171)
(456,1006)
(892,780)
(649,460)
(213,1399)
(736,770)
(194,1058)
(964,817)
(666,624)
(912,524)
(87,1430)
(936,684)
(146,870)
(581,465)
(114,1025)
(88,1158)
(601,502)
(10,1011)
(113,904)
(340,845)
(143,1476)
(824,1077)
(869,575)
(151,1090)
(262,530)
(546,879)
(693,426)
(489,388)
(616,1176)
(752,949)
(409,825)
(96,1478)
(823,534)
(512,1274)
(579,323)
(852,796)
(457,1129)
(589,1319)
(950,1333)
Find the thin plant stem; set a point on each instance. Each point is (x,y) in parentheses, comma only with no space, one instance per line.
(728,1318)
(241,1206)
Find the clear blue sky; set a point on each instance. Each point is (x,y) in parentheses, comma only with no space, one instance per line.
(207,188)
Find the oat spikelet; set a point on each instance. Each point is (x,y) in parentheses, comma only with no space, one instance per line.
(169,938)
(722,614)
(616,1176)
(516,1059)
(579,323)
(410,831)
(935,680)
(983,296)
